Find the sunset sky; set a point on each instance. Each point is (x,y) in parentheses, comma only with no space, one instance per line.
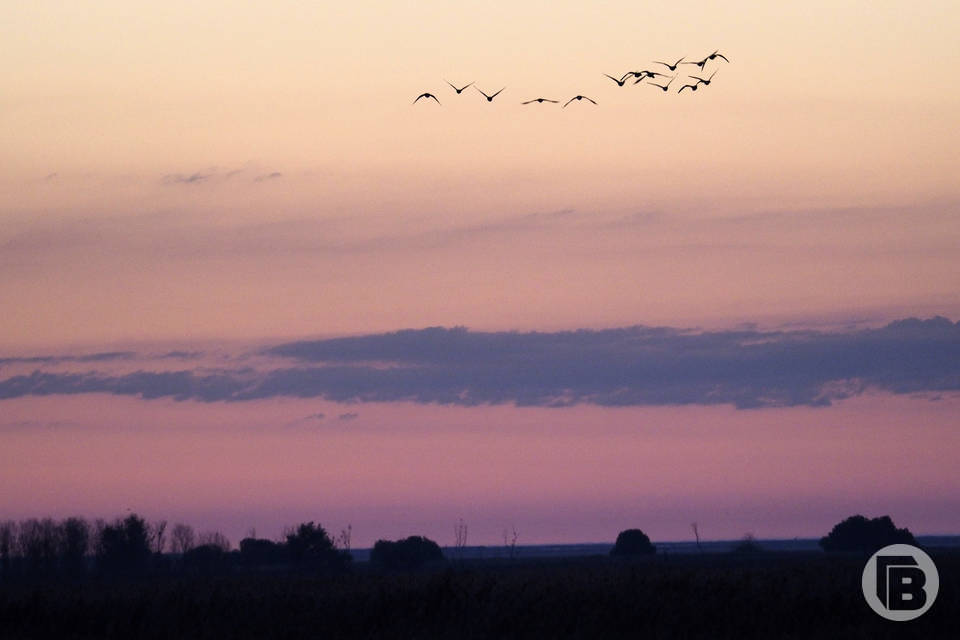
(217,219)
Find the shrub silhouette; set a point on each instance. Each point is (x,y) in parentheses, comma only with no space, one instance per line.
(632,542)
(747,544)
(858,533)
(410,553)
(124,546)
(255,552)
(309,547)
(206,559)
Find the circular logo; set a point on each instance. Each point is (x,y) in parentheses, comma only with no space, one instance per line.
(900,582)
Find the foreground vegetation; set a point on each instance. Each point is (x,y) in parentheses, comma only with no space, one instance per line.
(763,595)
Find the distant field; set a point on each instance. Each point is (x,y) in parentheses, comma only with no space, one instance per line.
(603,548)
(718,595)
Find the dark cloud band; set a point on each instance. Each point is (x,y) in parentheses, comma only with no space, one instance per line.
(615,367)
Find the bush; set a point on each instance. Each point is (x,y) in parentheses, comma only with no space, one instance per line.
(858,533)
(124,546)
(255,552)
(747,544)
(206,559)
(632,542)
(309,547)
(410,553)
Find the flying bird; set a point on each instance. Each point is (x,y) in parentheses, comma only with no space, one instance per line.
(672,67)
(426,95)
(693,87)
(702,81)
(460,90)
(620,81)
(540,100)
(578,98)
(649,74)
(716,54)
(662,87)
(489,98)
(636,74)
(699,64)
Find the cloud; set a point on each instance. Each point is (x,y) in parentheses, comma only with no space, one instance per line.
(191,178)
(632,366)
(268,176)
(91,357)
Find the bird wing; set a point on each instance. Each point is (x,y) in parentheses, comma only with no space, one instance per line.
(481,92)
(529,101)
(663,63)
(614,79)
(586,98)
(418,97)
(454,86)
(497,93)
(720,55)
(698,79)
(569,101)
(435,98)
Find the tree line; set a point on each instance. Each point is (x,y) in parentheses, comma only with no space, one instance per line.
(75,547)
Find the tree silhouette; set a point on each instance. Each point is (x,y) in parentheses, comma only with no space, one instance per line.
(858,533)
(632,542)
(124,546)
(311,548)
(410,553)
(182,538)
(74,544)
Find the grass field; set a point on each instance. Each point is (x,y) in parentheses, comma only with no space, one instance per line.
(761,595)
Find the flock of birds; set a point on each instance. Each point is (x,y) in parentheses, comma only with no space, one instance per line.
(636,76)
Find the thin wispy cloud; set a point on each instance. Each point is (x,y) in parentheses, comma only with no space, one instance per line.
(633,366)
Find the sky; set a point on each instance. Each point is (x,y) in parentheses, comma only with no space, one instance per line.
(225,231)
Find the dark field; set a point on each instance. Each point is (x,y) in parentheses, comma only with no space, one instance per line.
(761,595)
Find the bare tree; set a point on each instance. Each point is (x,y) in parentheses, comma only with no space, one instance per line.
(74,540)
(215,539)
(158,536)
(182,538)
(8,545)
(460,536)
(39,543)
(696,533)
(510,542)
(342,541)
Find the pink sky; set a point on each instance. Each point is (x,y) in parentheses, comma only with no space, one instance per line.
(219,174)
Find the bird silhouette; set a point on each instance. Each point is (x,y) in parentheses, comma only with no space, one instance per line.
(620,81)
(460,90)
(672,67)
(540,100)
(693,87)
(700,63)
(649,74)
(636,74)
(702,81)
(489,98)
(662,87)
(578,98)
(426,95)
(716,54)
